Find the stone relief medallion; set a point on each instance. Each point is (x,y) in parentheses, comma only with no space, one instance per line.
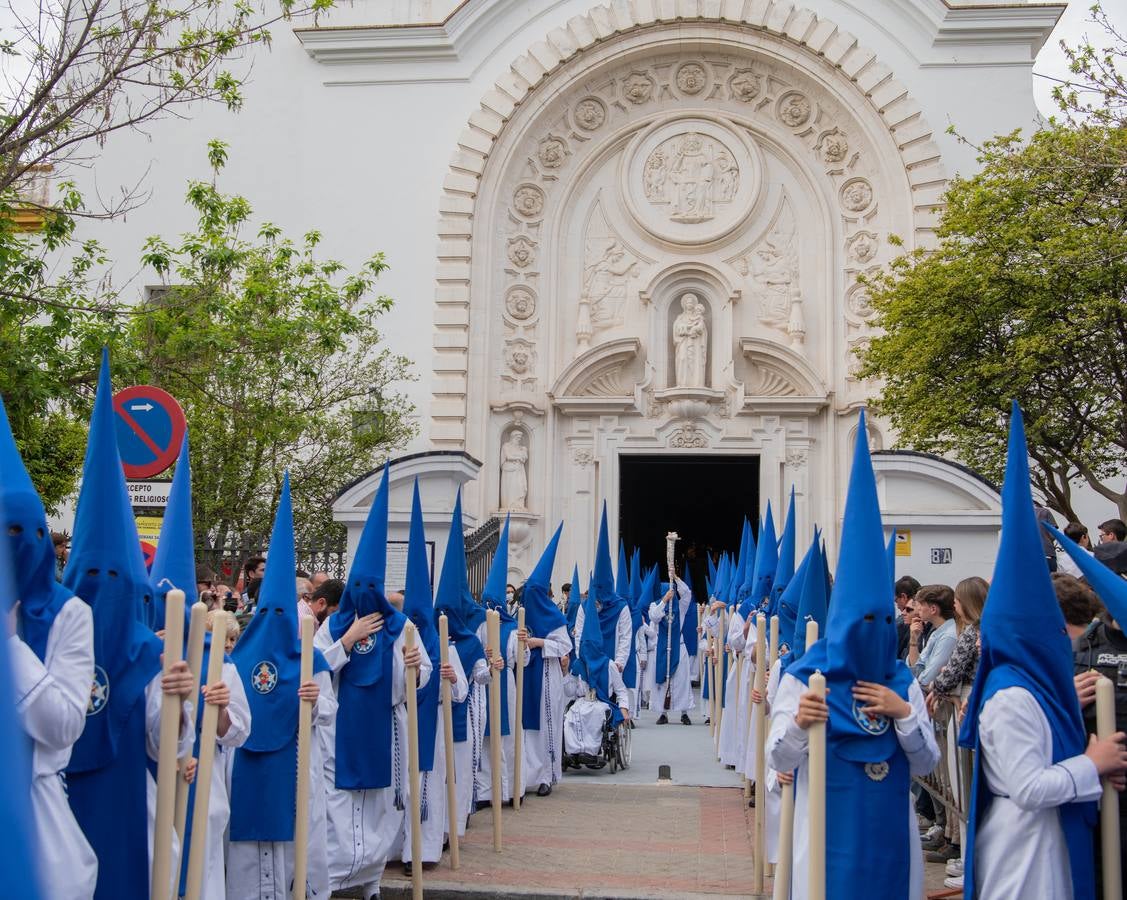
(520,303)
(794,109)
(590,113)
(833,146)
(528,201)
(518,357)
(521,252)
(858,303)
(637,87)
(862,247)
(691,180)
(692,78)
(856,195)
(552,152)
(744,85)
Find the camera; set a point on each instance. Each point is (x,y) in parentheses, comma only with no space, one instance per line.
(230,602)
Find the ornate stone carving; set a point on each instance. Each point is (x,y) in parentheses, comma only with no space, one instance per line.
(857,347)
(773,267)
(514,471)
(690,343)
(590,113)
(607,269)
(552,152)
(637,87)
(519,358)
(858,303)
(692,78)
(528,200)
(766,382)
(794,109)
(521,251)
(744,85)
(582,456)
(688,437)
(691,174)
(605,384)
(862,247)
(797,456)
(833,146)
(520,303)
(856,195)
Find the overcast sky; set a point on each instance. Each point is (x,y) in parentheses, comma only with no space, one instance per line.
(1072,27)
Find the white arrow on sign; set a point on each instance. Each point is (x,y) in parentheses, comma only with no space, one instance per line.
(144,407)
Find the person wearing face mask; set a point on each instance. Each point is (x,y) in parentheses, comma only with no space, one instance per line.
(512,600)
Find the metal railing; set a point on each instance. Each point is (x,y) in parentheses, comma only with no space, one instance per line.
(327,554)
(481,547)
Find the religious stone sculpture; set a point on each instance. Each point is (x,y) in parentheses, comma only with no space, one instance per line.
(774,268)
(691,174)
(606,269)
(690,342)
(514,471)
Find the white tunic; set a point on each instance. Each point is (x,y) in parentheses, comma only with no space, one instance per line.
(542,761)
(51,699)
(733,725)
(467,753)
(681,691)
(508,741)
(1019,849)
(787,748)
(623,635)
(364,828)
(583,721)
(263,870)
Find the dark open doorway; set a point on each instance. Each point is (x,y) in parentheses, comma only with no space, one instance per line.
(703,498)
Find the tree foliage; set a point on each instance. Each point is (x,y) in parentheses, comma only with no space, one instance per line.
(1026,298)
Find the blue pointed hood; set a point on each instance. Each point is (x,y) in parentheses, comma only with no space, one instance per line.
(106,570)
(454,600)
(418,606)
(493,594)
(762,574)
(711,574)
(29,545)
(646,593)
(786,607)
(813,602)
(1024,644)
(784,568)
(720,583)
(593,659)
(541,615)
(574,600)
(622,576)
(174,565)
(860,641)
(602,579)
(743,562)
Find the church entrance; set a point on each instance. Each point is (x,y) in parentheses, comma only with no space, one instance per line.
(703,498)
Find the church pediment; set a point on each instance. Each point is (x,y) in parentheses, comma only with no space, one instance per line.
(601,379)
(779,378)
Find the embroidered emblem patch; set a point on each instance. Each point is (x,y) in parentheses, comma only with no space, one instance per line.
(265,677)
(872,725)
(99,692)
(876,771)
(364,645)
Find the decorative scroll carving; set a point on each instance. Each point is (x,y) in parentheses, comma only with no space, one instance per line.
(688,437)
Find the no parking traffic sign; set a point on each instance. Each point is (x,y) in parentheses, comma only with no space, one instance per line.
(150,429)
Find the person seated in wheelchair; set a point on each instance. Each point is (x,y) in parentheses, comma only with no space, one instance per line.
(588,718)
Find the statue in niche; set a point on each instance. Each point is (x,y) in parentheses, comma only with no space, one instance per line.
(690,343)
(514,471)
(774,268)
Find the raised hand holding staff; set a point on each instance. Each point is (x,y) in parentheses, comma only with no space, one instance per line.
(304,733)
(170,715)
(411,661)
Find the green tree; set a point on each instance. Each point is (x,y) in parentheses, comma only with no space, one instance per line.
(275,355)
(1026,298)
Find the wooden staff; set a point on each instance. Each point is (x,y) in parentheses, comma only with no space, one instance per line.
(452,814)
(208,728)
(304,732)
(1109,808)
(772,655)
(750,782)
(721,681)
(760,762)
(196,625)
(493,639)
(170,710)
(518,725)
(412,683)
(816,798)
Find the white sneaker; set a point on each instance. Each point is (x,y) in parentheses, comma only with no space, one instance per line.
(954,882)
(954,867)
(936,831)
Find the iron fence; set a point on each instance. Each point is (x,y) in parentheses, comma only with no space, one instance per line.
(326,554)
(481,547)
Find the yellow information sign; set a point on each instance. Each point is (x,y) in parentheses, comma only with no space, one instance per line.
(903,543)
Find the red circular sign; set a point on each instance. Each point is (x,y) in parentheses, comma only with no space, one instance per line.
(150,429)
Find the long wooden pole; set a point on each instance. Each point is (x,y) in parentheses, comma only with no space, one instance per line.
(197,622)
(1109,808)
(170,710)
(493,638)
(749,780)
(816,799)
(518,725)
(721,681)
(411,689)
(453,817)
(208,728)
(760,763)
(772,655)
(304,733)
(710,666)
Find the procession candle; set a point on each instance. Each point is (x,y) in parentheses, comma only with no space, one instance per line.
(760,762)
(711,667)
(170,710)
(816,797)
(786,845)
(208,728)
(773,644)
(1109,808)
(518,725)
(452,815)
(304,733)
(493,639)
(811,633)
(197,622)
(412,686)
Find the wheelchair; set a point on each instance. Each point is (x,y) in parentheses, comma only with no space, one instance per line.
(614,750)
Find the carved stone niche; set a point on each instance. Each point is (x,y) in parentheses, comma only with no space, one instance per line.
(600,380)
(778,379)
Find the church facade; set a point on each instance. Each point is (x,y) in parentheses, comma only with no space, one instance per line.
(651,220)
